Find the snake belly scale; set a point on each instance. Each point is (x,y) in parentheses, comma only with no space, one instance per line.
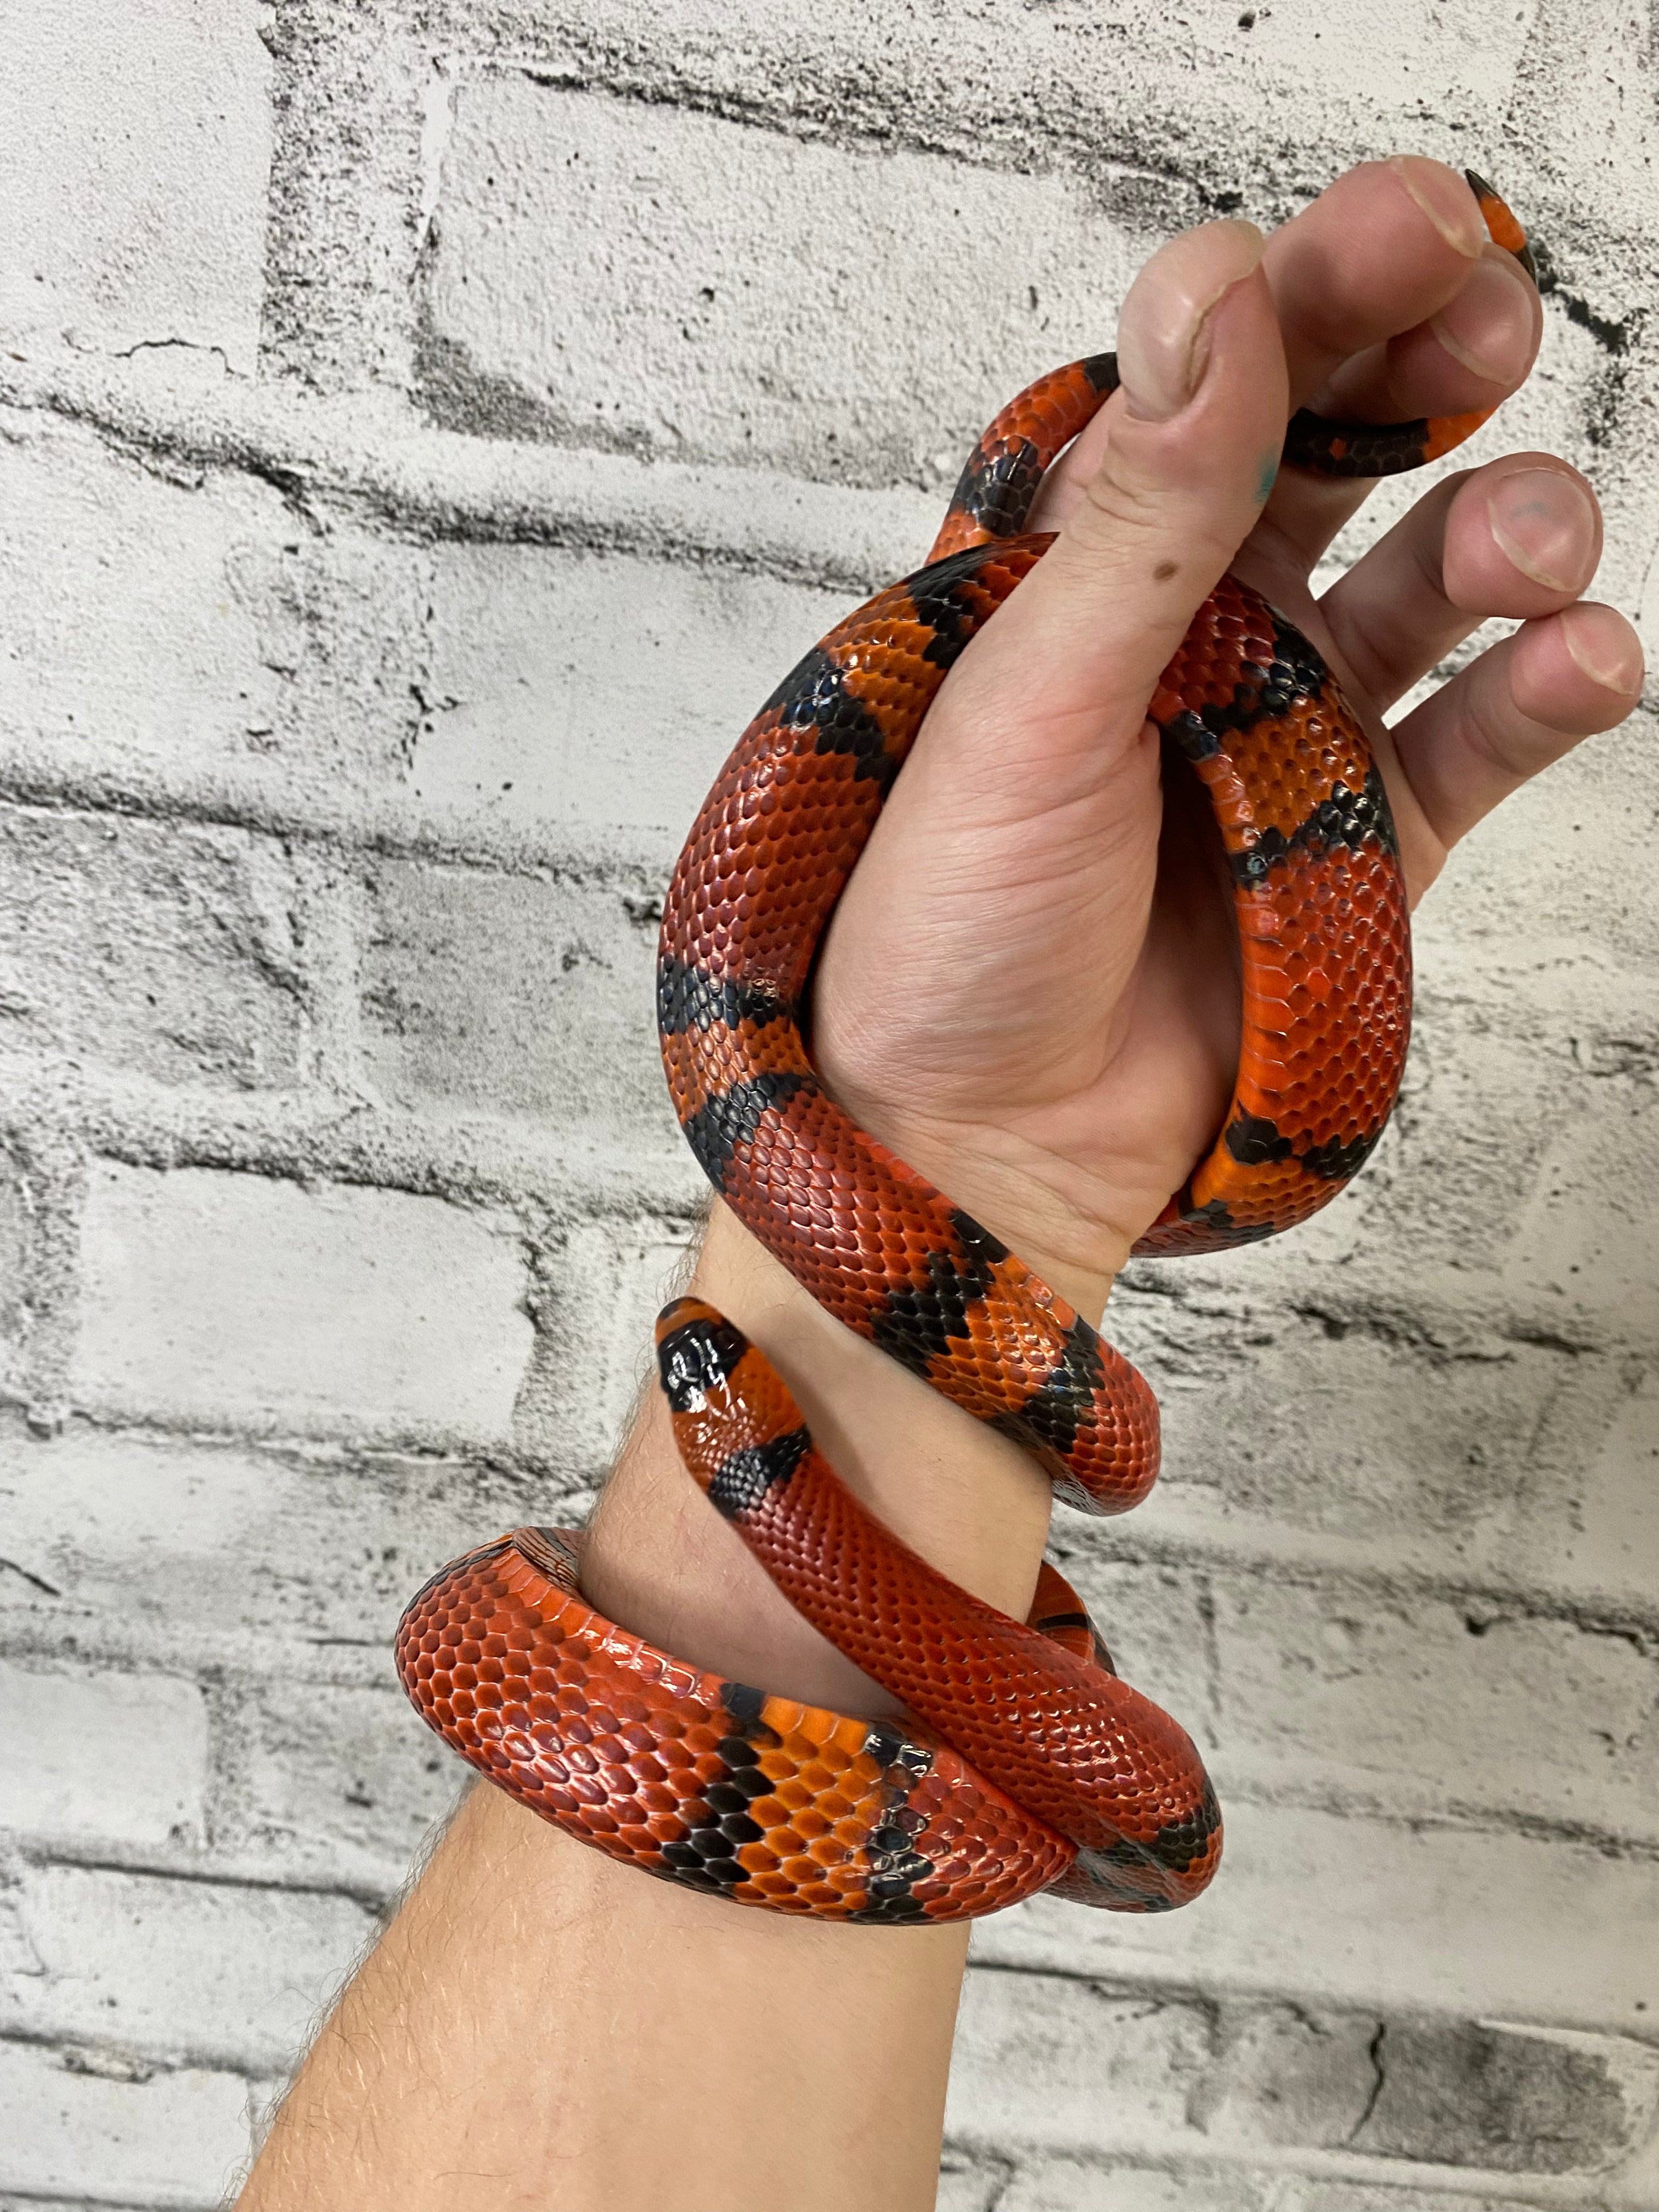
(1021,1762)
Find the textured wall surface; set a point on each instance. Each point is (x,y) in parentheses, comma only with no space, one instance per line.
(425,432)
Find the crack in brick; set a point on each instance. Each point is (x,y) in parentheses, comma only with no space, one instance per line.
(1379,2077)
(169,345)
(40,1582)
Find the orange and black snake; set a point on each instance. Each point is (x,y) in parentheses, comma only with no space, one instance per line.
(1021,1762)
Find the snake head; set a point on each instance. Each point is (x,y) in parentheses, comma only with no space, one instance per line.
(698,1352)
(739,1431)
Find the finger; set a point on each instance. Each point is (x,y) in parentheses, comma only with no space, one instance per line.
(1386,247)
(986,900)
(1194,439)
(1395,305)
(1470,356)
(1520,539)
(1512,713)
(1389,270)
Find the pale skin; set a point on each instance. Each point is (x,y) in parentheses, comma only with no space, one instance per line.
(1029,991)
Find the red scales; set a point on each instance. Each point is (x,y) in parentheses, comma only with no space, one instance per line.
(1024,1763)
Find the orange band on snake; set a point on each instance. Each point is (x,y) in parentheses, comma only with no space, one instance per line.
(1023,1762)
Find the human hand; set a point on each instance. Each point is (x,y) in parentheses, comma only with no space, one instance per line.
(1030,986)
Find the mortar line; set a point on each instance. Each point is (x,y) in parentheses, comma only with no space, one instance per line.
(1243,1991)
(370,1898)
(1483,2186)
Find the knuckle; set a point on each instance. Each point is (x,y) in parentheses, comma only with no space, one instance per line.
(1126,519)
(1494,730)
(1118,506)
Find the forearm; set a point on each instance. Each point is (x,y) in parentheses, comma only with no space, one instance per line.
(1031,937)
(541,2026)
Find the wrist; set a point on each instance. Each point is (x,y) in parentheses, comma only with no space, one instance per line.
(660,1563)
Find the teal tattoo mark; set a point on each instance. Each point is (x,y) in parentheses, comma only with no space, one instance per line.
(1265,475)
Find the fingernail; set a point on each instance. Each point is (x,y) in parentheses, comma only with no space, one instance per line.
(1445,198)
(1489,326)
(1544,523)
(1609,654)
(1163,339)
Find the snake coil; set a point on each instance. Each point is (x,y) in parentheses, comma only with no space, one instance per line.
(1022,1763)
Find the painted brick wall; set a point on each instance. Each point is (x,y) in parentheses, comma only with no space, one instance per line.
(425,432)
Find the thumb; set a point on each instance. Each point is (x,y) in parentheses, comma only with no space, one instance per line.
(1194,436)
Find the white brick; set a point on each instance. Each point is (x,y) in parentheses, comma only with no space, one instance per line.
(1059,2184)
(106,1758)
(1411,1702)
(165,949)
(575,691)
(594,1351)
(132,2134)
(244,1301)
(199,1971)
(1531,901)
(1476,1921)
(1429,1704)
(301,1552)
(123,613)
(1565,1512)
(9,2203)
(134,147)
(1611,1540)
(965,2186)
(1068,2066)
(1588,1236)
(1484,2095)
(1571,85)
(1294,93)
(334,1784)
(1056,2185)
(1083,119)
(647,277)
(1351,2197)
(519,993)
(1072,2065)
(104,1523)
(1356,1424)
(184,625)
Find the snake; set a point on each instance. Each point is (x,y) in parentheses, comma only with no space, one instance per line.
(1019,1762)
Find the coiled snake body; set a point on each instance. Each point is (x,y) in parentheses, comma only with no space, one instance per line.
(1022,1762)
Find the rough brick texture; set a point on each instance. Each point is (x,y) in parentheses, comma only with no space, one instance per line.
(244,1302)
(425,434)
(169,950)
(105,1757)
(132,186)
(709,316)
